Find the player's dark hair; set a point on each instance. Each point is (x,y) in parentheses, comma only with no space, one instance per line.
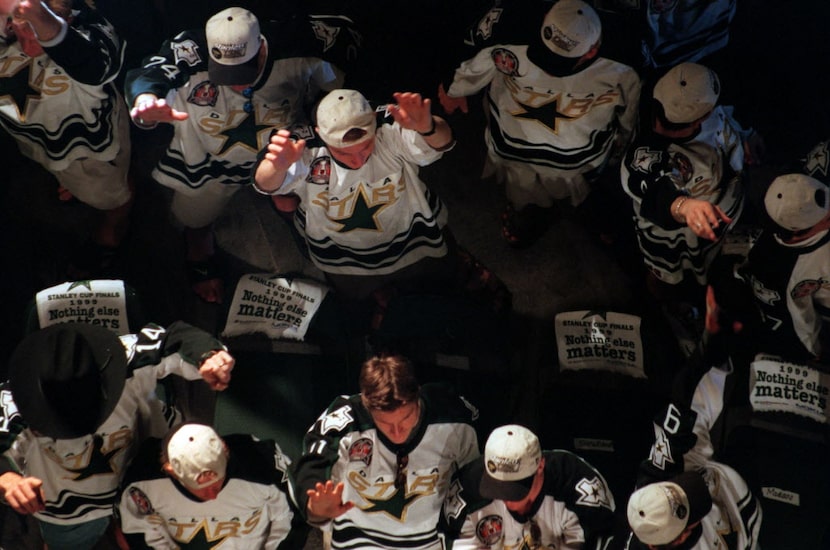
(387,382)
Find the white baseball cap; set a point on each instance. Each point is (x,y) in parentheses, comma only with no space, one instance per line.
(797,201)
(233,41)
(659,512)
(687,92)
(341,111)
(511,457)
(193,450)
(571,28)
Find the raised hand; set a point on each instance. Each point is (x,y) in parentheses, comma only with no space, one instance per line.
(148,110)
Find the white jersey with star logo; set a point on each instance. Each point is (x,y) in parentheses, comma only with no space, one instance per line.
(62,106)
(81,475)
(391,510)
(226,128)
(375,220)
(252,511)
(556,130)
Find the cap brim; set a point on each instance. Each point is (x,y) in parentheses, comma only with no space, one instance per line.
(697,492)
(234,75)
(33,357)
(494,489)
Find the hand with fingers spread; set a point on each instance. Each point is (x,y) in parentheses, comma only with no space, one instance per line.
(282,151)
(412,112)
(148,110)
(325,501)
(701,216)
(23,494)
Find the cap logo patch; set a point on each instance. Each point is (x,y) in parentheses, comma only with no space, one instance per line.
(504,465)
(558,38)
(676,502)
(229,51)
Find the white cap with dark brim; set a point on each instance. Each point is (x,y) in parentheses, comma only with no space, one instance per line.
(341,111)
(195,449)
(687,92)
(659,512)
(511,458)
(233,41)
(571,28)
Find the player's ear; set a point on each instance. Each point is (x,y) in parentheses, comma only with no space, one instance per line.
(168,469)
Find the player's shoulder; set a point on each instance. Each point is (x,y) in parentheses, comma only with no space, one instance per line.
(464,499)
(345,414)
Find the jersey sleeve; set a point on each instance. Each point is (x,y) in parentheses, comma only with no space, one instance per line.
(91,52)
(321,450)
(682,429)
(170,68)
(586,495)
(648,179)
(462,500)
(178,349)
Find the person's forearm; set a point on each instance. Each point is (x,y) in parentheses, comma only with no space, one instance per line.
(439,136)
(268,178)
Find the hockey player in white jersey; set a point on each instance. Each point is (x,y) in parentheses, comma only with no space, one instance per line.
(59,102)
(376,466)
(78,402)
(230,490)
(367,217)
(224,88)
(518,496)
(558,112)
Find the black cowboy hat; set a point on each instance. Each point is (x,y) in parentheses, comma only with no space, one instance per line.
(67,379)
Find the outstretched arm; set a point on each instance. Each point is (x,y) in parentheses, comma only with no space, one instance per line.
(148,110)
